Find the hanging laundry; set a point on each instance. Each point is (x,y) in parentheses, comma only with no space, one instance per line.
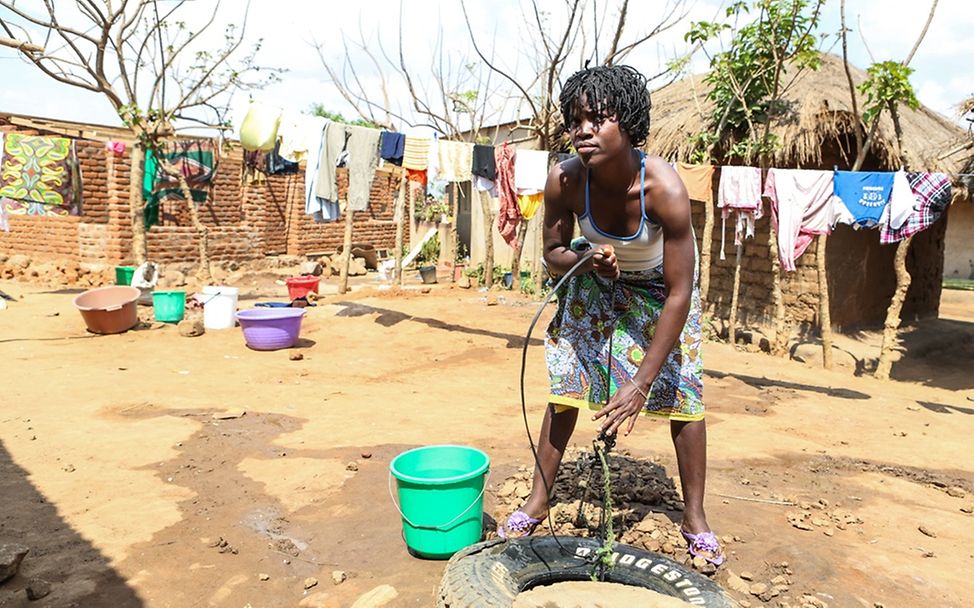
(275,164)
(258,129)
(392,147)
(698,180)
(116,147)
(739,190)
(529,204)
(455,160)
(320,209)
(801,207)
(195,159)
(483,163)
(865,194)
(530,171)
(433,160)
(509,216)
(363,157)
(4,222)
(39,169)
(902,202)
(932,193)
(333,146)
(17,207)
(486,185)
(417,176)
(298,134)
(416,152)
(436,190)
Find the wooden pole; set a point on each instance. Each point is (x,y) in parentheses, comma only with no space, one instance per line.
(779,340)
(137,206)
(892,324)
(397,217)
(824,315)
(735,295)
(485,204)
(454,243)
(705,255)
(346,250)
(522,229)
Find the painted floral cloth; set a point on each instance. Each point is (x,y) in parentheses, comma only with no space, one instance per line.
(932,191)
(578,340)
(15,207)
(196,159)
(39,169)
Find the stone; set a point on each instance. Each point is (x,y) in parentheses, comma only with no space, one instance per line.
(352,466)
(310,267)
(758,588)
(173,278)
(37,588)
(320,599)
(927,531)
(357,267)
(380,596)
(295,356)
(811,354)
(491,300)
(264,577)
(18,261)
(310,582)
(464,282)
(191,328)
(338,576)
(702,566)
(736,583)
(229,414)
(956,492)
(967,509)
(747,576)
(11,555)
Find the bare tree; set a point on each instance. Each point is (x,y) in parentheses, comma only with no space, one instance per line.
(159,73)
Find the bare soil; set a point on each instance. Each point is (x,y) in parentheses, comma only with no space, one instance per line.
(127,467)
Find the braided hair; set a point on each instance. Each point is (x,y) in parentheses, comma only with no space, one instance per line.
(610,91)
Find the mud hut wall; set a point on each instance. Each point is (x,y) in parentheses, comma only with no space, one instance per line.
(374,225)
(959,241)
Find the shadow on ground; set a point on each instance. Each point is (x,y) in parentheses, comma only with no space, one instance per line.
(78,573)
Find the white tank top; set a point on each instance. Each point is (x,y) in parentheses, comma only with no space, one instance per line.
(640,251)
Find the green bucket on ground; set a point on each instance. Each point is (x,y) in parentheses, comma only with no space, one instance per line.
(169,306)
(123,275)
(441,498)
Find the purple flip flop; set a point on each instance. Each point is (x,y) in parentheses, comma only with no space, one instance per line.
(519,524)
(704,545)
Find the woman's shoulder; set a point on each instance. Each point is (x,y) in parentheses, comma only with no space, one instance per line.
(661,177)
(564,178)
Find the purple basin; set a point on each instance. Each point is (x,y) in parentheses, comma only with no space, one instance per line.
(271,328)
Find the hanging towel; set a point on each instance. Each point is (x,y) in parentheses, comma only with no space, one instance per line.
(416,153)
(739,190)
(455,161)
(509,216)
(902,202)
(801,207)
(320,209)
(299,134)
(529,204)
(530,171)
(433,161)
(865,195)
(194,159)
(392,147)
(4,222)
(417,176)
(333,144)
(483,163)
(363,157)
(698,180)
(486,185)
(38,169)
(932,193)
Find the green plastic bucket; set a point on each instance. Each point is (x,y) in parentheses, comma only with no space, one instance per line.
(169,306)
(123,275)
(441,498)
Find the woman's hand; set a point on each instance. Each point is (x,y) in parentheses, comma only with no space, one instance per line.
(624,405)
(606,265)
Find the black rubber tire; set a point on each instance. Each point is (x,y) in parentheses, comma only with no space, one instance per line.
(491,574)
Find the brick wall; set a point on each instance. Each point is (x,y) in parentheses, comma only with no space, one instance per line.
(246,221)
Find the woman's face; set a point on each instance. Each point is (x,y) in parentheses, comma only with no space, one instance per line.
(597,139)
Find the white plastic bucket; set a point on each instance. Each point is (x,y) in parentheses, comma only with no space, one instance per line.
(219,306)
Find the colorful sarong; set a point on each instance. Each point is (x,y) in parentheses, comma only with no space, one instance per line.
(195,159)
(40,170)
(578,340)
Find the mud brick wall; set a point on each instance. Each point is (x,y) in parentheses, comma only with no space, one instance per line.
(223,201)
(374,225)
(266,207)
(181,244)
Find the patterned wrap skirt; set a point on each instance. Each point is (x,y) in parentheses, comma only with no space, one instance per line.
(594,315)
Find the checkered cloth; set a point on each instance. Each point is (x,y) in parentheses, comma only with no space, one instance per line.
(932,191)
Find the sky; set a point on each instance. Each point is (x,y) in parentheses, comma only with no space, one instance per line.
(435,34)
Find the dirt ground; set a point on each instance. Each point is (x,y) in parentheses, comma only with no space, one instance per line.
(127,467)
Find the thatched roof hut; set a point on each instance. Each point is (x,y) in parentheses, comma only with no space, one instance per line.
(819,118)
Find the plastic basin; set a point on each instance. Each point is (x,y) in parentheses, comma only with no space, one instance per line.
(109,310)
(169,306)
(271,328)
(299,287)
(123,275)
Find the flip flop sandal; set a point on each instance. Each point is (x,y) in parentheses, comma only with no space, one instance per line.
(519,524)
(704,545)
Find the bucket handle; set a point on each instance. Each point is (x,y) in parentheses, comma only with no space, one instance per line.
(436,528)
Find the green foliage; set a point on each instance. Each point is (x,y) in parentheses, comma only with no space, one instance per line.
(429,253)
(888,83)
(746,78)
(318,109)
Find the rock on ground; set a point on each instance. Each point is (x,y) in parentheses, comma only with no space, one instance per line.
(11,555)
(380,596)
(38,588)
(320,599)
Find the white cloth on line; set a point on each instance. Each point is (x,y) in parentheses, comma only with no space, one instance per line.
(902,203)
(530,171)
